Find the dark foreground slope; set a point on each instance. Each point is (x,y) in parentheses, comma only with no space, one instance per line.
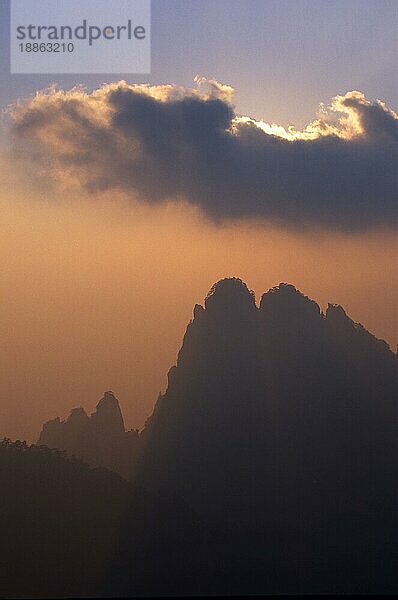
(69,531)
(59,522)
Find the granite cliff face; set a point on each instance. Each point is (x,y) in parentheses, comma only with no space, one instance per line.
(100,439)
(278,412)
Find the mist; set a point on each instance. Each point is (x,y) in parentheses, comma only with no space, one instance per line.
(96,292)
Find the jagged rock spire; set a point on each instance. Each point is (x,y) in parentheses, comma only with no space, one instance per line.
(99,439)
(108,414)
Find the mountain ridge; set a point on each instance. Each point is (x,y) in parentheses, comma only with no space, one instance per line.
(247,375)
(99,439)
(283,313)
(277,431)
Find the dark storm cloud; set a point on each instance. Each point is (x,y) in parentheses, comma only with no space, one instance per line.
(164,143)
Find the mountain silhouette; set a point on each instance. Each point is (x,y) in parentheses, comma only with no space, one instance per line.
(283,420)
(269,405)
(269,464)
(100,440)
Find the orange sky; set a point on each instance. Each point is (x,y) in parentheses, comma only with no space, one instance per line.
(96,293)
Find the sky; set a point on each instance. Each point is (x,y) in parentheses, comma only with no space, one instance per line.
(283,57)
(104,258)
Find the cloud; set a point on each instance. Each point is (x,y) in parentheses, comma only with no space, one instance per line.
(166,142)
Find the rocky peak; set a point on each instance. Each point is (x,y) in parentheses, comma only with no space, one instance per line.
(287,296)
(99,439)
(230,294)
(224,327)
(77,416)
(285,303)
(108,414)
(336,312)
(338,320)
